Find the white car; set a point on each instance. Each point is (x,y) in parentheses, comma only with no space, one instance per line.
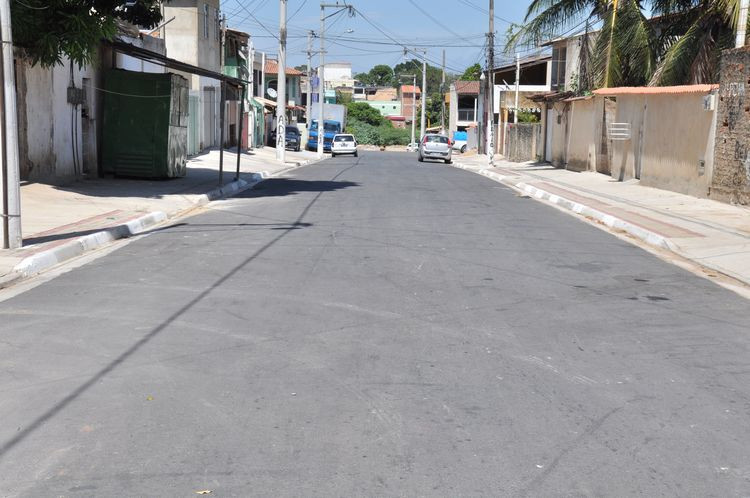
(460,145)
(412,147)
(343,144)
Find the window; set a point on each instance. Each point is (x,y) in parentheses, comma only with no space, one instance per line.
(559,59)
(205,20)
(218,25)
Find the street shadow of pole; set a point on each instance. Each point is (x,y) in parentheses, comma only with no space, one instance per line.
(279,187)
(125,355)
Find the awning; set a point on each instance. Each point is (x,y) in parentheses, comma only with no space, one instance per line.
(163,60)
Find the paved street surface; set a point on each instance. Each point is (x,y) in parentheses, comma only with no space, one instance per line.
(376,327)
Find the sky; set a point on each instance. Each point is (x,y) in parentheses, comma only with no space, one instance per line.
(378,34)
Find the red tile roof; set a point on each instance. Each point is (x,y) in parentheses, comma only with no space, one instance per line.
(467,87)
(272,67)
(655,90)
(410,89)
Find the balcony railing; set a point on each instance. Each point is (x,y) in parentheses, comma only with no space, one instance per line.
(466,115)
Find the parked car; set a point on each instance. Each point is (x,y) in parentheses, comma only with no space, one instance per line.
(434,146)
(459,145)
(412,147)
(293,138)
(343,144)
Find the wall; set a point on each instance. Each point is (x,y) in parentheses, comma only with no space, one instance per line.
(584,137)
(49,127)
(731,169)
(557,125)
(524,141)
(386,108)
(671,142)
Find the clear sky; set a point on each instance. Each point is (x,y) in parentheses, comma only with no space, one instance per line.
(459,26)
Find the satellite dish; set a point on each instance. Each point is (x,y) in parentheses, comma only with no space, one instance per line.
(272,93)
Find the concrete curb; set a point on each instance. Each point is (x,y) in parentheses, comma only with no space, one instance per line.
(44,260)
(613,222)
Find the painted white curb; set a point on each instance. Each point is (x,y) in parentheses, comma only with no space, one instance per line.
(51,257)
(44,260)
(609,220)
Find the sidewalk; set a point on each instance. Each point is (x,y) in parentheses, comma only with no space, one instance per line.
(713,234)
(61,222)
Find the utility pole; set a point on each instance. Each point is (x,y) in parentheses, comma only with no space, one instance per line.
(321,81)
(518,84)
(422,122)
(442,98)
(251,97)
(308,109)
(321,68)
(11,178)
(281,87)
(742,24)
(491,88)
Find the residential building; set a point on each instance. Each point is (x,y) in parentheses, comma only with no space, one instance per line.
(193,36)
(237,58)
(410,96)
(386,108)
(464,105)
(293,82)
(338,74)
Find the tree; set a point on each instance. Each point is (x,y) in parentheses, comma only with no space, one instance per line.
(48,30)
(681,44)
(363,78)
(381,75)
(301,68)
(365,113)
(624,53)
(472,73)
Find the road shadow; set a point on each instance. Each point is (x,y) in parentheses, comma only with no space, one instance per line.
(280,187)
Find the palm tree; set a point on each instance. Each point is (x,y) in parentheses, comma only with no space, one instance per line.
(681,44)
(624,49)
(692,52)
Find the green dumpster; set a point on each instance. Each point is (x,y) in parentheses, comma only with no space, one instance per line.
(144,131)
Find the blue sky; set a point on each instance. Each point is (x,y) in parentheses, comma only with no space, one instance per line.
(456,22)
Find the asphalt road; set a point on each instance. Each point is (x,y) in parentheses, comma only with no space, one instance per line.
(376,327)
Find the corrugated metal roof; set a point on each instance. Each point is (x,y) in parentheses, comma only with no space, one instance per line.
(655,90)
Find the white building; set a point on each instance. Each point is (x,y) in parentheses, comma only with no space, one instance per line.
(194,37)
(338,74)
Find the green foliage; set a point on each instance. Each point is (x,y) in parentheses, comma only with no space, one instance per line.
(527,117)
(472,73)
(680,44)
(361,111)
(385,134)
(414,66)
(380,75)
(48,30)
(343,97)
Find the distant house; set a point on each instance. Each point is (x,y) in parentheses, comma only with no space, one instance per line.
(293,82)
(410,96)
(464,105)
(338,74)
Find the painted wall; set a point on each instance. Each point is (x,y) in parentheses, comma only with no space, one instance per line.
(671,142)
(584,138)
(57,140)
(386,107)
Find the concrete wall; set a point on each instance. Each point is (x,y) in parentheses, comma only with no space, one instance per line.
(671,142)
(557,117)
(524,141)
(584,137)
(57,140)
(386,108)
(731,171)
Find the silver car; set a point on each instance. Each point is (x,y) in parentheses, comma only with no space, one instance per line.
(434,146)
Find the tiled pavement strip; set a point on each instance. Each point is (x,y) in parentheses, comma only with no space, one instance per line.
(711,234)
(61,222)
